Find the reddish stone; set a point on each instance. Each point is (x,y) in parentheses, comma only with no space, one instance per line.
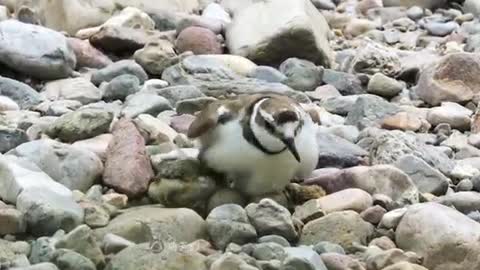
(127,168)
(87,55)
(199,40)
(181,123)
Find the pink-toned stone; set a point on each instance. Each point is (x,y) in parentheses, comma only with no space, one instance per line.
(348,199)
(87,55)
(336,261)
(127,168)
(198,40)
(181,123)
(97,145)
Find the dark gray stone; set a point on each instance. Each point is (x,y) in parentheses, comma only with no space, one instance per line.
(116,69)
(301,74)
(25,96)
(120,87)
(346,84)
(338,152)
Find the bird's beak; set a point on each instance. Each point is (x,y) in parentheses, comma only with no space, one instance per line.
(290,143)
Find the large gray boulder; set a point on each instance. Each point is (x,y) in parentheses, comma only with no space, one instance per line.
(444,237)
(269,32)
(35,50)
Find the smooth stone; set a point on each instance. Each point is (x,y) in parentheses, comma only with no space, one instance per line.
(116,69)
(229,224)
(144,103)
(348,199)
(268,74)
(334,261)
(373,214)
(268,217)
(97,145)
(87,55)
(72,167)
(119,88)
(327,247)
(424,222)
(12,221)
(268,251)
(198,40)
(53,58)
(441,29)
(346,83)
(11,138)
(40,266)
(463,201)
(302,75)
(384,86)
(68,259)
(8,104)
(457,116)
(166,224)
(302,255)
(78,89)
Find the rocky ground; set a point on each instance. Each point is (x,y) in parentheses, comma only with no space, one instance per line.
(96,171)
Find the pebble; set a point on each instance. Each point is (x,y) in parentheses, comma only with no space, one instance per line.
(229,224)
(268,217)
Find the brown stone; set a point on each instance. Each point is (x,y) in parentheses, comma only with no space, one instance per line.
(454,78)
(198,40)
(336,261)
(127,167)
(402,121)
(348,199)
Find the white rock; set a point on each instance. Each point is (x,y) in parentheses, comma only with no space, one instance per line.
(18,174)
(269,31)
(97,145)
(216,11)
(7,104)
(155,127)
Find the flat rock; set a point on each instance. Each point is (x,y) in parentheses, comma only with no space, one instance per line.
(457,116)
(53,58)
(379,179)
(338,152)
(144,103)
(269,41)
(464,201)
(142,224)
(384,86)
(78,89)
(119,68)
(343,228)
(72,167)
(127,167)
(419,229)
(19,174)
(348,199)
(215,78)
(81,124)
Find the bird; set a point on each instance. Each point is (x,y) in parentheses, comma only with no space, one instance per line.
(260,142)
